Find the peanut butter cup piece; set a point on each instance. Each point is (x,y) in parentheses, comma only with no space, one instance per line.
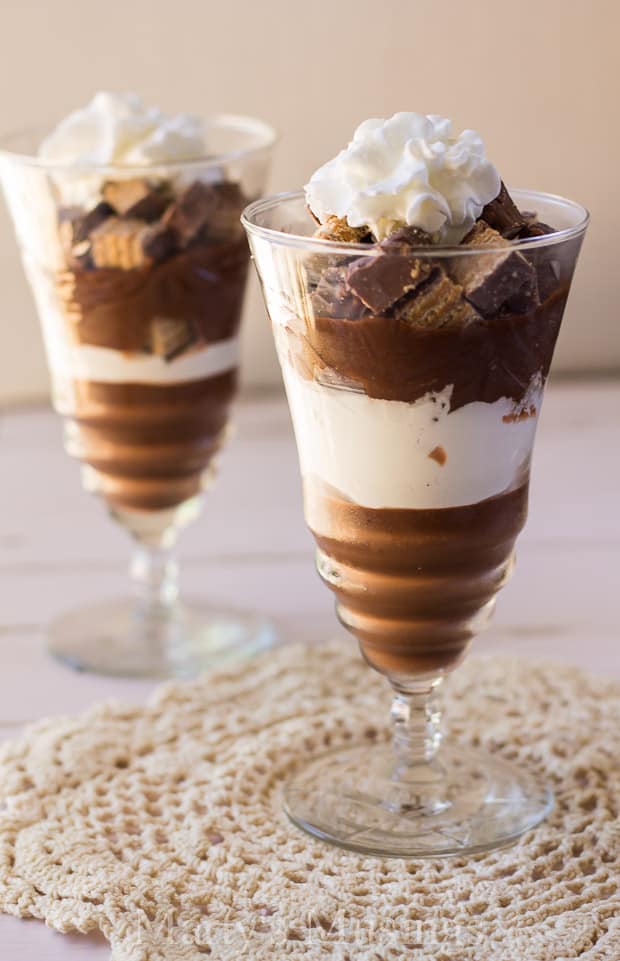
(382,280)
(224,221)
(495,281)
(503,215)
(158,242)
(337,229)
(545,259)
(171,336)
(436,304)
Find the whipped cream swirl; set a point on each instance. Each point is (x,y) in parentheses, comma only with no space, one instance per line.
(121,129)
(409,169)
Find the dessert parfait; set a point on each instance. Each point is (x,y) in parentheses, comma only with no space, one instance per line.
(128,221)
(416,302)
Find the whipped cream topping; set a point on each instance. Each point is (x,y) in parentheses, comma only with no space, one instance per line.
(409,169)
(121,129)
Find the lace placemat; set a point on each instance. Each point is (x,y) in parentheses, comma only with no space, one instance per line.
(162,825)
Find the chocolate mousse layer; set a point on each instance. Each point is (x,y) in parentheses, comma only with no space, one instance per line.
(150,444)
(152,271)
(414,586)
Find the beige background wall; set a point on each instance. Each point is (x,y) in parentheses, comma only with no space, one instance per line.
(538,78)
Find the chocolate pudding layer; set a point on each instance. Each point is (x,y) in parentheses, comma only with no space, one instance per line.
(150,445)
(414,586)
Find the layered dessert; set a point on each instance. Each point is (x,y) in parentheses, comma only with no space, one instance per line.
(415,335)
(139,277)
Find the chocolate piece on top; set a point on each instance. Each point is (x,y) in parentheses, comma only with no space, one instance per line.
(171,336)
(437,303)
(191,210)
(492,280)
(332,297)
(382,280)
(136,198)
(545,258)
(224,222)
(503,215)
(158,242)
(337,228)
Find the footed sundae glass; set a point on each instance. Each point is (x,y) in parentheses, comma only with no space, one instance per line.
(415,418)
(138,274)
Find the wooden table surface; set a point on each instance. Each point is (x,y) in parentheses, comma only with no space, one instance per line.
(250,548)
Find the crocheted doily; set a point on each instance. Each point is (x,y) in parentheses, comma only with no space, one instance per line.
(162,825)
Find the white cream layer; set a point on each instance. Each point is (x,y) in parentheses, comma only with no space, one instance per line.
(376,452)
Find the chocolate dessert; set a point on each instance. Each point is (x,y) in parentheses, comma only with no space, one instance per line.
(153,273)
(415,336)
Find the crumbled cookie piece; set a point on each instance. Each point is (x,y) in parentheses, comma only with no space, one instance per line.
(407,237)
(492,280)
(437,303)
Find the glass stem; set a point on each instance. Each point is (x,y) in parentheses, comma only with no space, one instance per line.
(154,576)
(416,721)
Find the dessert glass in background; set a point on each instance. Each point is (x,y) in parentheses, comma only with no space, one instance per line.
(414,360)
(128,224)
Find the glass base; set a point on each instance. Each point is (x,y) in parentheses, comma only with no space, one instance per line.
(183,640)
(463,802)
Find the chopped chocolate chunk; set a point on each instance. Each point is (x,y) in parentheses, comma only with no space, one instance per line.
(136,198)
(76,226)
(490,281)
(332,297)
(159,242)
(118,243)
(437,303)
(224,221)
(191,210)
(503,215)
(171,336)
(337,228)
(407,237)
(544,258)
(382,280)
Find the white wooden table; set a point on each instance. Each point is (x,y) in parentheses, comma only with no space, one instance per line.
(250,548)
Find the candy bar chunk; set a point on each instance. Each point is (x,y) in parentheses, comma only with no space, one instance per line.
(439,303)
(503,215)
(337,228)
(136,198)
(224,220)
(491,280)
(191,211)
(171,336)
(118,243)
(332,297)
(75,226)
(407,237)
(159,242)
(382,280)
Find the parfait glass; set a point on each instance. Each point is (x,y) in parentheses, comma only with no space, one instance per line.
(414,426)
(138,275)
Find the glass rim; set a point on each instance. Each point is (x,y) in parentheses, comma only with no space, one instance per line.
(284,239)
(266,136)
